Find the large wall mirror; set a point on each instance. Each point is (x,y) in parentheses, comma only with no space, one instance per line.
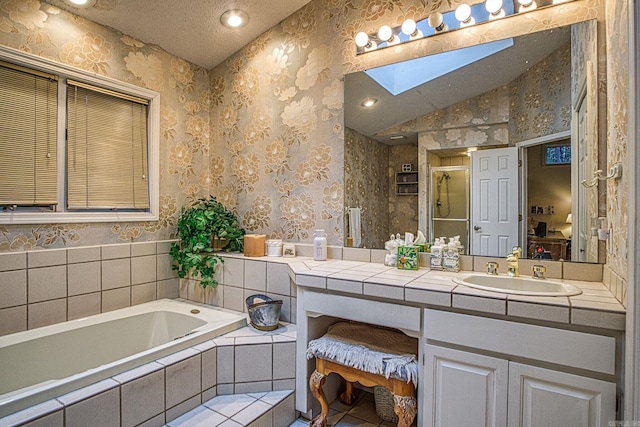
(416,131)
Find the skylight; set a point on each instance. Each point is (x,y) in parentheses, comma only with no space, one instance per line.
(400,77)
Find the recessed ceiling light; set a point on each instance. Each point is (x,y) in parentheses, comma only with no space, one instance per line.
(369,102)
(81,3)
(234,18)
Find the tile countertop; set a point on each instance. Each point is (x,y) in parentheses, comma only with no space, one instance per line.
(595,307)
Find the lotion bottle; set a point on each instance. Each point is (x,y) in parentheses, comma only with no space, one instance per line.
(436,255)
(320,245)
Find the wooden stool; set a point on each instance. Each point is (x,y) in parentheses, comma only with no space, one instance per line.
(403,390)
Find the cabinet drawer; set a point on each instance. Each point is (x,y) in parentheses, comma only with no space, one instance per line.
(567,348)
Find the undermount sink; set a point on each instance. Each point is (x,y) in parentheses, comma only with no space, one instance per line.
(518,285)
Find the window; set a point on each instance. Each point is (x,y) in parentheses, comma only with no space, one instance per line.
(557,154)
(28,136)
(74,147)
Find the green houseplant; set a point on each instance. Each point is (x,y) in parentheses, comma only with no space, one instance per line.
(200,225)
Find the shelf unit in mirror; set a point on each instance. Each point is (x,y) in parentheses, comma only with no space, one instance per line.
(407,183)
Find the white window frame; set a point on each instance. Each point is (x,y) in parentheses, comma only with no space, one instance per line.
(153,133)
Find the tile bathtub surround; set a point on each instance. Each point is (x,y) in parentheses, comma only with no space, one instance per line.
(162,391)
(41,287)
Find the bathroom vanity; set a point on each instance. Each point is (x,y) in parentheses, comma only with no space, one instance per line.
(486,358)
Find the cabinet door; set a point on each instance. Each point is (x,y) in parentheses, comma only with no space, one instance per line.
(542,397)
(464,389)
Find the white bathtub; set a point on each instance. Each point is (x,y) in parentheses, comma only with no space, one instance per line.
(44,363)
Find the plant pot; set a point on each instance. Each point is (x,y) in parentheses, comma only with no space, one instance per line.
(218,244)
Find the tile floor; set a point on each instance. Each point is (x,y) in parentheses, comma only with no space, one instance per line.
(361,414)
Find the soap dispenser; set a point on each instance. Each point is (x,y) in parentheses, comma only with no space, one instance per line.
(451,257)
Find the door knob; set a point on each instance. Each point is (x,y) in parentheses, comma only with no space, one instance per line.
(476,228)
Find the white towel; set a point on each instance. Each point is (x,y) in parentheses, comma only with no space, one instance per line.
(354,226)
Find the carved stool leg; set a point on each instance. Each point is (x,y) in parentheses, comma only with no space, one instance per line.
(405,408)
(315,384)
(347,397)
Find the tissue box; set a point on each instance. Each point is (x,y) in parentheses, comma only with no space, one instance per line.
(408,258)
(254,244)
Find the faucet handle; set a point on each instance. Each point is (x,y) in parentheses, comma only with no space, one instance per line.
(492,268)
(538,271)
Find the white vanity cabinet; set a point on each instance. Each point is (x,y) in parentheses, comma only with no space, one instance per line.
(489,372)
(464,389)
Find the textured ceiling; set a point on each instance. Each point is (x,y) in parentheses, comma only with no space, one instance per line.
(189,29)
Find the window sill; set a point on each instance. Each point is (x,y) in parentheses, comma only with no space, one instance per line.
(17,218)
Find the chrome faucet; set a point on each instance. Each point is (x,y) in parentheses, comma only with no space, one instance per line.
(513,264)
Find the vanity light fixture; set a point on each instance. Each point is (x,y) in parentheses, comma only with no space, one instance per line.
(369,102)
(234,18)
(463,14)
(494,7)
(410,28)
(397,137)
(436,21)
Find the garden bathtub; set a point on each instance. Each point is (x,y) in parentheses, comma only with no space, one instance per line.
(45,363)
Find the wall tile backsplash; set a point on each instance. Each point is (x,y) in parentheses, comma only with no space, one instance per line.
(49,286)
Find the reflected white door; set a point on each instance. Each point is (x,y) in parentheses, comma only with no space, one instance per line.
(494,201)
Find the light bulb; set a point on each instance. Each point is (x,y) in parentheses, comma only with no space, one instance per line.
(385,33)
(493,6)
(362,39)
(436,21)
(410,28)
(526,5)
(463,14)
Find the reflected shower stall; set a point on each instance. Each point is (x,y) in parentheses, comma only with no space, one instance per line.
(449,203)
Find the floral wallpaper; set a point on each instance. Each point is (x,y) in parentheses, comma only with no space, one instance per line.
(540,101)
(403,210)
(366,185)
(263,131)
(185,131)
(617,90)
(535,104)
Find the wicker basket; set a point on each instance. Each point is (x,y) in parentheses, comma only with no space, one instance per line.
(384,404)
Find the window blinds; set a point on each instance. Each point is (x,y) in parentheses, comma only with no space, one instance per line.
(106,149)
(28,140)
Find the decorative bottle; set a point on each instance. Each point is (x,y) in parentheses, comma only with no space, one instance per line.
(320,245)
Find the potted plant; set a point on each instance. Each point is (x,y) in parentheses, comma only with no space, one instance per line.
(200,225)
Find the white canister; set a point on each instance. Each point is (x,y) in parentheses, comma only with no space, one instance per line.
(274,247)
(320,245)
